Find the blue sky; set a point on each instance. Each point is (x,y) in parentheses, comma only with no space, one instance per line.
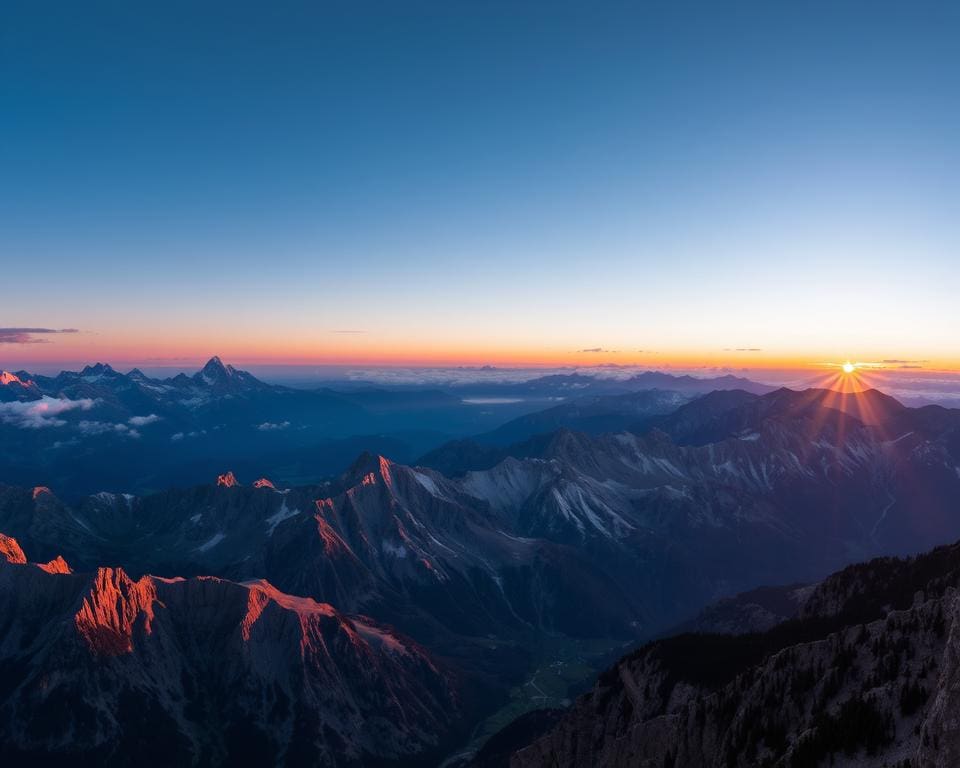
(467,180)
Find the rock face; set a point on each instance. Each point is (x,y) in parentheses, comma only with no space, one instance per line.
(203,671)
(755,611)
(10,550)
(867,675)
(228,480)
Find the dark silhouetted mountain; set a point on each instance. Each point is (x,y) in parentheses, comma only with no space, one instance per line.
(756,610)
(865,675)
(593,415)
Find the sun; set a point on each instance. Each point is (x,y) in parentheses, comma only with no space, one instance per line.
(848,367)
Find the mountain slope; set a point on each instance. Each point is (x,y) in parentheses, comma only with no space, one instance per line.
(115,671)
(800,487)
(866,675)
(593,415)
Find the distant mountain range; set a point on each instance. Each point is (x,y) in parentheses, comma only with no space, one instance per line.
(99,429)
(610,537)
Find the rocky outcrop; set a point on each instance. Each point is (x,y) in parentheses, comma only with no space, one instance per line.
(227,480)
(872,678)
(57,565)
(205,671)
(10,550)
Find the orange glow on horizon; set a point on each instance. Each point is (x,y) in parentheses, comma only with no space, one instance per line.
(190,350)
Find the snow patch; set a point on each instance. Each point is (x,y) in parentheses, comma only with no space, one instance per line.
(212,542)
(284,513)
(429,484)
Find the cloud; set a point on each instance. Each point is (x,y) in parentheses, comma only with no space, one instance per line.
(593,350)
(743,349)
(902,362)
(37,414)
(142,421)
(269,426)
(106,427)
(178,436)
(347,331)
(28,335)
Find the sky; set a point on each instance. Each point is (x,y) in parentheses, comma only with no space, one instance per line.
(749,185)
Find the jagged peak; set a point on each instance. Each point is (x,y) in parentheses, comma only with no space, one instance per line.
(218,374)
(41,490)
(264,482)
(367,467)
(215,368)
(57,565)
(97,369)
(8,379)
(227,480)
(111,610)
(11,551)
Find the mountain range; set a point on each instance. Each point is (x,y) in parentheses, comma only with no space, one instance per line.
(566,541)
(98,429)
(109,670)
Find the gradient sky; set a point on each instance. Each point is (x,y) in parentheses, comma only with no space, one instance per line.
(480,182)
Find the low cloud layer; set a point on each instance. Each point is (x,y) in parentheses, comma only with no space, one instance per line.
(30,335)
(37,414)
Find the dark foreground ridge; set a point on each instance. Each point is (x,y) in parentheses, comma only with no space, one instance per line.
(866,674)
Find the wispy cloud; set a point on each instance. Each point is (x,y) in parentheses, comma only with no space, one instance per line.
(269,426)
(178,436)
(37,414)
(30,335)
(743,349)
(594,350)
(347,331)
(142,421)
(106,427)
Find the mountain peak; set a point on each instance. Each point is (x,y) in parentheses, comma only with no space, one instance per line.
(98,369)
(112,609)
(228,480)
(10,550)
(57,565)
(215,369)
(7,378)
